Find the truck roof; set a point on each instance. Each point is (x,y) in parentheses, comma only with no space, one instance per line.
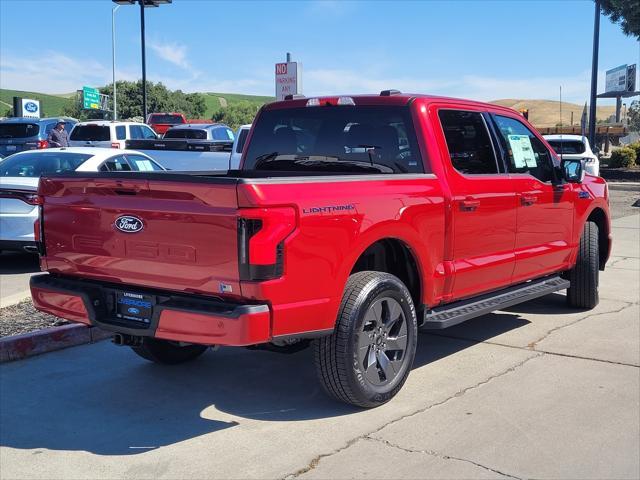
(383,98)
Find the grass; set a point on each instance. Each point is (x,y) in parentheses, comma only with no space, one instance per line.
(51,105)
(214,104)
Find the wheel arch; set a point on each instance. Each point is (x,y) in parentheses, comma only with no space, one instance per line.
(395,256)
(599,217)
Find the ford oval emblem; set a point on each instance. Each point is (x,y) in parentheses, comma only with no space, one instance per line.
(133,310)
(129,224)
(31,107)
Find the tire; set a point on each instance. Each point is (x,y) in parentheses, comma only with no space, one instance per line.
(583,292)
(167,353)
(369,356)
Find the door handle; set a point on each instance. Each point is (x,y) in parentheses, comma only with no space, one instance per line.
(528,200)
(469,205)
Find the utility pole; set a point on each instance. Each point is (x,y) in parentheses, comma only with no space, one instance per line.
(144,64)
(113,60)
(594,75)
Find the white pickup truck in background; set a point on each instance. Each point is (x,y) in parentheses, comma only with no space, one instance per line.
(183,149)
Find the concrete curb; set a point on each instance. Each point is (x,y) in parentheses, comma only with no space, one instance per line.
(17,347)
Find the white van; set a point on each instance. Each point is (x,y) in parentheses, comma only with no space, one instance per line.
(104,133)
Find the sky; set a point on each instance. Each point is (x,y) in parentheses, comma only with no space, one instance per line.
(484,50)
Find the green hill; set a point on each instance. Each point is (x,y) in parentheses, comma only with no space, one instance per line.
(219,101)
(51,105)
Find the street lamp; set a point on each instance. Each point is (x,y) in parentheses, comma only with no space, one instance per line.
(113,60)
(143,4)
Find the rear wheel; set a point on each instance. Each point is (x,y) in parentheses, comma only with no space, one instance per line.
(584,276)
(166,352)
(367,359)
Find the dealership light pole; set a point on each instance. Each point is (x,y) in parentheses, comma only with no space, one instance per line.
(594,76)
(143,4)
(113,59)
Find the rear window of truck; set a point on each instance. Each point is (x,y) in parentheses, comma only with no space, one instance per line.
(18,130)
(91,133)
(170,119)
(349,139)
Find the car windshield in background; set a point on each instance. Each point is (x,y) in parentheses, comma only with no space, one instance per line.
(18,130)
(171,119)
(568,147)
(189,133)
(349,139)
(40,163)
(95,133)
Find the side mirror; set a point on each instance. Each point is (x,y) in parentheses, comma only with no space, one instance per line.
(572,170)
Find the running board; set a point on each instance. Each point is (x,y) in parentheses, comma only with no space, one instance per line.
(458,312)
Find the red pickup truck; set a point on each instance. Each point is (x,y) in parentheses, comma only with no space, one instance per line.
(351,223)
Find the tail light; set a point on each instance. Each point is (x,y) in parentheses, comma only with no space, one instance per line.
(115,145)
(261,235)
(42,144)
(27,197)
(38,230)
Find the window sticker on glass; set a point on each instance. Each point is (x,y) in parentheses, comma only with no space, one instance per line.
(523,154)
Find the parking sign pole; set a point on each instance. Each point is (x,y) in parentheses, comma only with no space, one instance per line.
(594,76)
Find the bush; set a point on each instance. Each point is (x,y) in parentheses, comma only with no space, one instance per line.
(623,158)
(636,148)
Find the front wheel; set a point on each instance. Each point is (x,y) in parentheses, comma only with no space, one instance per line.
(369,356)
(583,292)
(166,352)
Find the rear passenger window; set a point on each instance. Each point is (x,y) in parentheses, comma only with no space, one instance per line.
(468,142)
(121,133)
(115,164)
(524,151)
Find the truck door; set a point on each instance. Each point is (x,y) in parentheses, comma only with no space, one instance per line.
(544,210)
(483,206)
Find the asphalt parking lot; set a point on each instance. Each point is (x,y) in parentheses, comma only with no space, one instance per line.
(537,391)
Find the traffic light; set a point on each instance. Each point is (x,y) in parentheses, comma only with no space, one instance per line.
(525,112)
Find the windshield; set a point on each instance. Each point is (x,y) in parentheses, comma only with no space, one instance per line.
(351,139)
(39,163)
(171,119)
(18,130)
(567,147)
(186,133)
(96,133)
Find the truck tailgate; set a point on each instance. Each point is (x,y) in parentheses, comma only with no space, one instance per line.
(186,241)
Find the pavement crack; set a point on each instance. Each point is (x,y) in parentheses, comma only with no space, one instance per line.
(316,460)
(442,456)
(532,345)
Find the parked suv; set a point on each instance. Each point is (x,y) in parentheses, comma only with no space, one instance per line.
(104,133)
(23,133)
(575,147)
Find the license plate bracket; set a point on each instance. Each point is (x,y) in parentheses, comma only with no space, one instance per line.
(134,307)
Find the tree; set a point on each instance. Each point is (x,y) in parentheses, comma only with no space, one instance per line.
(624,12)
(236,114)
(159,99)
(633,116)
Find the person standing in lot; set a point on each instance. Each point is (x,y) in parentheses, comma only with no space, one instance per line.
(58,136)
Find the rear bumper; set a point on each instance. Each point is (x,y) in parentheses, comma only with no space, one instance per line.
(19,246)
(186,318)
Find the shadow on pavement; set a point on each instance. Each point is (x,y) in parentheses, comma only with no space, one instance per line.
(15,262)
(105,400)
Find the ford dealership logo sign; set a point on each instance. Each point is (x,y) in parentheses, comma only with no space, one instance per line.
(129,224)
(31,107)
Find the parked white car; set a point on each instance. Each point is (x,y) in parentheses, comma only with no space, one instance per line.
(575,147)
(20,173)
(104,133)
(238,146)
